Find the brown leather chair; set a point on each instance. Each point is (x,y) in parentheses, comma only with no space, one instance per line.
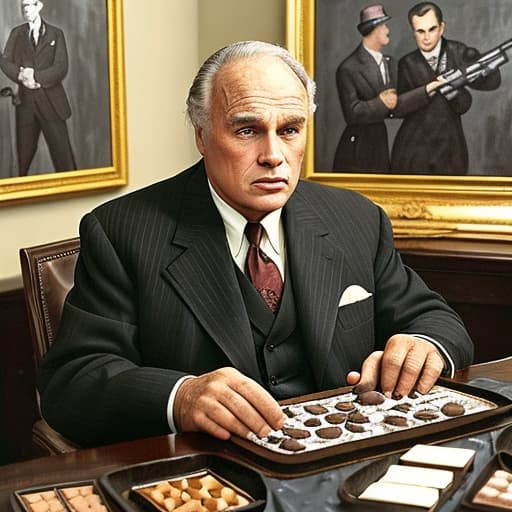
(48,275)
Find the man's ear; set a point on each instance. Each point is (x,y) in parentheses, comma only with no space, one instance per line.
(199,135)
(443,26)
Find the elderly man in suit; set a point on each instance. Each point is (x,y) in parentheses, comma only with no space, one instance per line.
(200,300)
(431,139)
(36,58)
(366,82)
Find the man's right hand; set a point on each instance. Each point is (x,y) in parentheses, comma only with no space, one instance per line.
(389,98)
(225,402)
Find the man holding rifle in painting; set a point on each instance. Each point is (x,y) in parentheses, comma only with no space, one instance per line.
(431,138)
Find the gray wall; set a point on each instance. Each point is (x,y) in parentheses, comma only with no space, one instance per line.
(483,24)
(84,26)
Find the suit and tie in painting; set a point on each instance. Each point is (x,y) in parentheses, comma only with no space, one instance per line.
(366,82)
(35,58)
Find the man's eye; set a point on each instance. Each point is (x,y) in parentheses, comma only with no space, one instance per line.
(245,131)
(290,131)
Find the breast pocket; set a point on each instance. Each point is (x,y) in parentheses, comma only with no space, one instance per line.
(353,315)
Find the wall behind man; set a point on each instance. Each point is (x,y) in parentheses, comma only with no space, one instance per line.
(165,41)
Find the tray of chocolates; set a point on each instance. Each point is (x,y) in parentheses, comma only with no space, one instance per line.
(345,425)
(185,484)
(492,490)
(62,497)
(419,480)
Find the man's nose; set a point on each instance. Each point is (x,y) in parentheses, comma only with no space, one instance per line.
(270,154)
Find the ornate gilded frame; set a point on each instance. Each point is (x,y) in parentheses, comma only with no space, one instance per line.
(477,207)
(52,184)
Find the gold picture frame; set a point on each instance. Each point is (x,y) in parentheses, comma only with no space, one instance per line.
(473,207)
(97,125)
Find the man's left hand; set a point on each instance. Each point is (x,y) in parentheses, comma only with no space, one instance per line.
(406,363)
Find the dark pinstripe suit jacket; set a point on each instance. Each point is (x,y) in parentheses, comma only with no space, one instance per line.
(156,297)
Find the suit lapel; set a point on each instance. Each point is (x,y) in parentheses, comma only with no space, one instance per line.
(202,272)
(317,276)
(370,71)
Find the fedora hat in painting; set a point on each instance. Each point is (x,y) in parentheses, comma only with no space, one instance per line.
(370,17)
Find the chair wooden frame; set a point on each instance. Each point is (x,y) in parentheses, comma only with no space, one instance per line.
(48,274)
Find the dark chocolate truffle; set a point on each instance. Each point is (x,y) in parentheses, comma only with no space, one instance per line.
(315,409)
(402,407)
(426,415)
(371,398)
(354,427)
(296,433)
(357,417)
(345,406)
(312,422)
(329,432)
(335,418)
(453,409)
(397,421)
(292,445)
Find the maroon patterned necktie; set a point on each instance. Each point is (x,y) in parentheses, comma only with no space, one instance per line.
(262,271)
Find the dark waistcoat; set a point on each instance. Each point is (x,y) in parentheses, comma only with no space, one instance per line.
(283,365)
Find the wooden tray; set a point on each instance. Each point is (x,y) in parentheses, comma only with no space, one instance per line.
(307,462)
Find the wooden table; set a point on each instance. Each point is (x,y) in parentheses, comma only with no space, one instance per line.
(90,463)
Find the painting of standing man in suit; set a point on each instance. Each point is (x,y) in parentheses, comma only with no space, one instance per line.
(451,117)
(54,74)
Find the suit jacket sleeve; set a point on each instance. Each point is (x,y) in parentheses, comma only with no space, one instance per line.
(95,363)
(404,304)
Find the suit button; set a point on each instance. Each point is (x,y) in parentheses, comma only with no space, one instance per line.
(271,347)
(352,138)
(273,380)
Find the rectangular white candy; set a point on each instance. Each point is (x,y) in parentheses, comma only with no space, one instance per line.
(425,477)
(417,496)
(438,455)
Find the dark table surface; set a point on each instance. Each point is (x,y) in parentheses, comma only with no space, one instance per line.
(284,494)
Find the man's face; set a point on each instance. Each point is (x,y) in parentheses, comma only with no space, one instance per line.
(427,30)
(30,9)
(254,146)
(381,34)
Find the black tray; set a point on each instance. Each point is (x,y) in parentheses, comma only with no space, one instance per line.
(116,485)
(357,482)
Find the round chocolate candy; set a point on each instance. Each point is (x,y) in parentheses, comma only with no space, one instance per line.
(292,445)
(402,407)
(335,418)
(312,422)
(295,433)
(426,415)
(371,398)
(396,421)
(329,432)
(345,406)
(354,427)
(453,409)
(357,417)
(315,409)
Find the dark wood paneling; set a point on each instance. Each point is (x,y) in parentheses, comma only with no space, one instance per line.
(17,380)
(476,280)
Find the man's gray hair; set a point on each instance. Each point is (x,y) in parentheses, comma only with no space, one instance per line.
(199,96)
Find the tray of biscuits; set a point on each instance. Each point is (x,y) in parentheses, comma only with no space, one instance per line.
(62,497)
(194,483)
(341,423)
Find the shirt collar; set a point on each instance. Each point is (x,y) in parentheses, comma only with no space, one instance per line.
(235,222)
(36,25)
(376,55)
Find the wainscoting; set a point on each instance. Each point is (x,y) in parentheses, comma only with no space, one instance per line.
(474,277)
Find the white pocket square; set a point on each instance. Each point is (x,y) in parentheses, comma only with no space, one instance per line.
(353,293)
